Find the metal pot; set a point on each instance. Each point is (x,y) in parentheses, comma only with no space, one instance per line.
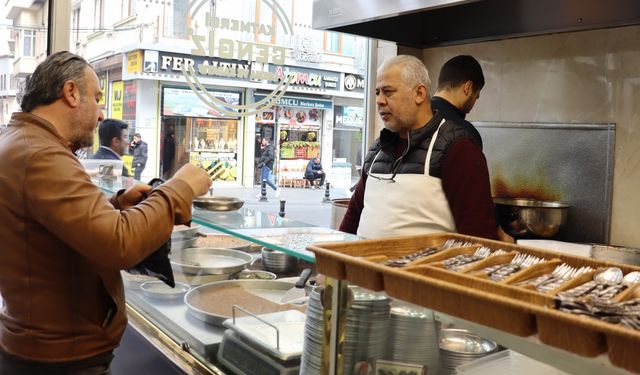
(338,209)
(277,261)
(528,218)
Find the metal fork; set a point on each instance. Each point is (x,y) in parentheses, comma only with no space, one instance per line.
(461,260)
(560,274)
(519,262)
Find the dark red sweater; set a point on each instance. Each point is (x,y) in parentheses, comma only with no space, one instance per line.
(465,181)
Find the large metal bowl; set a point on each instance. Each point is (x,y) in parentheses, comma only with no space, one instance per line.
(529,218)
(218,203)
(209,261)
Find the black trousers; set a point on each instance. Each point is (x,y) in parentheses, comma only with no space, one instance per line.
(98,365)
(312,176)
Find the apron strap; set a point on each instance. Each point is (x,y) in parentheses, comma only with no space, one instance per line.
(373,161)
(427,162)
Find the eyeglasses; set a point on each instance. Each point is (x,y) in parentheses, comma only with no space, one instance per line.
(394,167)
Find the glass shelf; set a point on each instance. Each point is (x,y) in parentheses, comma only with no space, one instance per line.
(266,229)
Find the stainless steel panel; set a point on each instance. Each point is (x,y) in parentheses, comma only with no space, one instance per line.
(571,163)
(331,13)
(424,24)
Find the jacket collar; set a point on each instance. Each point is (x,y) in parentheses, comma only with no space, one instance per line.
(26,118)
(418,135)
(109,149)
(445,103)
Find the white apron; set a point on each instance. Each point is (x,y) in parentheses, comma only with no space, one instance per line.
(414,204)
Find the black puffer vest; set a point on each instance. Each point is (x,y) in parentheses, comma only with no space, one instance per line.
(450,132)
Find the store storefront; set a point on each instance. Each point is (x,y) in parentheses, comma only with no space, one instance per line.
(199,134)
(296,125)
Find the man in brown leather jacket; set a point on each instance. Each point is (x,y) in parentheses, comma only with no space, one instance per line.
(63,241)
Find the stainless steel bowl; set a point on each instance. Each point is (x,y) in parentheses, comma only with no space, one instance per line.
(209,261)
(183,232)
(277,261)
(218,203)
(160,290)
(528,218)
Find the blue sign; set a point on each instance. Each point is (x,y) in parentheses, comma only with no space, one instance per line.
(287,101)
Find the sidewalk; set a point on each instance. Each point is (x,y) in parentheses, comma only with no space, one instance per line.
(300,204)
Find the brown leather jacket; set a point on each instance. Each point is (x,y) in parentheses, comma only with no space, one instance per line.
(63,244)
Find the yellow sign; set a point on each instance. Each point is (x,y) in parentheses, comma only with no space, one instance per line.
(103,90)
(134,62)
(128,163)
(116,100)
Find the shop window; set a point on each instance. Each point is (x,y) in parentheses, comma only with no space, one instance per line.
(332,42)
(348,45)
(29,43)
(179,20)
(98,15)
(340,43)
(128,8)
(75,19)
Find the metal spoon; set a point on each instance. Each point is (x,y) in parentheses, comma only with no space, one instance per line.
(631,278)
(609,276)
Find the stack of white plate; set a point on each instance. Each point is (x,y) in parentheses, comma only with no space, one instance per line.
(312,347)
(366,328)
(413,336)
(365,331)
(459,346)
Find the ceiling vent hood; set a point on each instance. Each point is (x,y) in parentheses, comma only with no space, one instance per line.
(432,23)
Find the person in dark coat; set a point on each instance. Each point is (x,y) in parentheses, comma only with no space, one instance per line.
(168,153)
(113,141)
(139,151)
(314,171)
(267,159)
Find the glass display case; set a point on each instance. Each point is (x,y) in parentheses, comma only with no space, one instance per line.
(198,341)
(170,317)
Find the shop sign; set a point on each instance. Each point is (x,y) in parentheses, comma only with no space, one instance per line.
(300,102)
(129,102)
(322,79)
(349,116)
(203,66)
(103,90)
(134,62)
(212,40)
(116,100)
(184,102)
(353,83)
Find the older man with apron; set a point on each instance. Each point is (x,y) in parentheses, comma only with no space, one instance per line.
(425,173)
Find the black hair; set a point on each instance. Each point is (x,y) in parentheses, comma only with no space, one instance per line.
(459,70)
(110,128)
(44,86)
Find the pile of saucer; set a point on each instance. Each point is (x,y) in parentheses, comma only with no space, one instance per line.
(365,331)
(413,336)
(312,345)
(459,347)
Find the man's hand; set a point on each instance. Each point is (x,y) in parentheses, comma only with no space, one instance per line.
(133,196)
(504,237)
(195,177)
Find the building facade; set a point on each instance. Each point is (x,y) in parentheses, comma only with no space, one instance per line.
(240,53)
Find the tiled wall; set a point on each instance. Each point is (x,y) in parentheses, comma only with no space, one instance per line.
(580,77)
